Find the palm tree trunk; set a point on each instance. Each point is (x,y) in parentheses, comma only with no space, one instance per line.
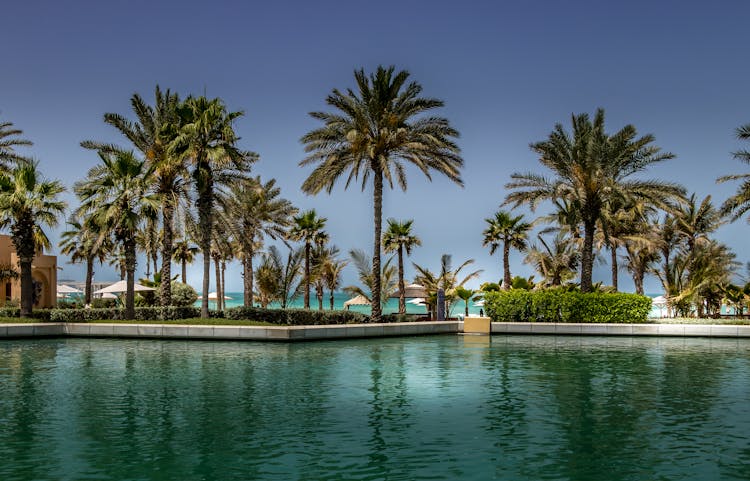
(249,276)
(166,252)
(27,287)
(184,271)
(89,279)
(331,298)
(223,284)
(247,302)
(506,266)
(130,261)
(205,223)
(401,286)
(466,310)
(613,256)
(307,275)
(378,218)
(587,256)
(319,295)
(638,281)
(217,269)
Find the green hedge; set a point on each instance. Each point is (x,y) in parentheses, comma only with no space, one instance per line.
(296,317)
(41,314)
(170,313)
(558,305)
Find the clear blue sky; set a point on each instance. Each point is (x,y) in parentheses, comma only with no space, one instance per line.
(507,71)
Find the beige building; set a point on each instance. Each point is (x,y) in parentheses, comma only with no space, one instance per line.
(44,273)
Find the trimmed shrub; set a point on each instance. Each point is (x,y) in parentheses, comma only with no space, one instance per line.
(41,314)
(559,305)
(183,294)
(296,317)
(170,313)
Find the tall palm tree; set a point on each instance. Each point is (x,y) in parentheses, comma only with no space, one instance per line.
(253,210)
(591,167)
(184,253)
(117,193)
(512,232)
(375,132)
(151,133)
(739,204)
(28,202)
(308,228)
(207,141)
(695,221)
(397,238)
(465,295)
(82,243)
(9,140)
(332,272)
(290,272)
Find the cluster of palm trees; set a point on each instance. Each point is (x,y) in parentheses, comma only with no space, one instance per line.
(179,186)
(601,205)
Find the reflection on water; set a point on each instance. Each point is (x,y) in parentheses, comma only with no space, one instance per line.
(448,407)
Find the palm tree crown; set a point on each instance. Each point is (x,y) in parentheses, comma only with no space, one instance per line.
(308,228)
(509,231)
(375,132)
(28,202)
(399,238)
(739,204)
(591,168)
(9,140)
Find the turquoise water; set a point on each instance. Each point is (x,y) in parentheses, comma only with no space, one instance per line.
(426,408)
(338,303)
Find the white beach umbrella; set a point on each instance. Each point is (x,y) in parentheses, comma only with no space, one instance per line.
(659,301)
(412,290)
(109,295)
(359,300)
(417,300)
(120,286)
(214,296)
(63,289)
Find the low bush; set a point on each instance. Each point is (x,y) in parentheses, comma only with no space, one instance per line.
(41,314)
(296,317)
(183,294)
(559,305)
(170,313)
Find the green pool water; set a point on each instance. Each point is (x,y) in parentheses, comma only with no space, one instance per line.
(425,408)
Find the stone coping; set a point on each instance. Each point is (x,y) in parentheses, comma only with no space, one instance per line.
(228,332)
(586,329)
(303,333)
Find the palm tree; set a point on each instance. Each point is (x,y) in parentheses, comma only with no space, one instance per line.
(738,204)
(290,272)
(207,140)
(117,195)
(82,243)
(9,140)
(308,228)
(590,168)
(397,238)
(374,133)
(332,274)
(253,210)
(367,277)
(184,253)
(28,202)
(269,275)
(465,295)
(509,230)
(147,240)
(556,263)
(151,134)
(694,221)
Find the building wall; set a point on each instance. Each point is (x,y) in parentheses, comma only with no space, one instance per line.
(43,270)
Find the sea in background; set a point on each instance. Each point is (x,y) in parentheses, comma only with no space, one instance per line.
(338,304)
(390,307)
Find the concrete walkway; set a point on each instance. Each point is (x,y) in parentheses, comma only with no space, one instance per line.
(302,333)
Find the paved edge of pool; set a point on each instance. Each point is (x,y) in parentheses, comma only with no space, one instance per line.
(307,333)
